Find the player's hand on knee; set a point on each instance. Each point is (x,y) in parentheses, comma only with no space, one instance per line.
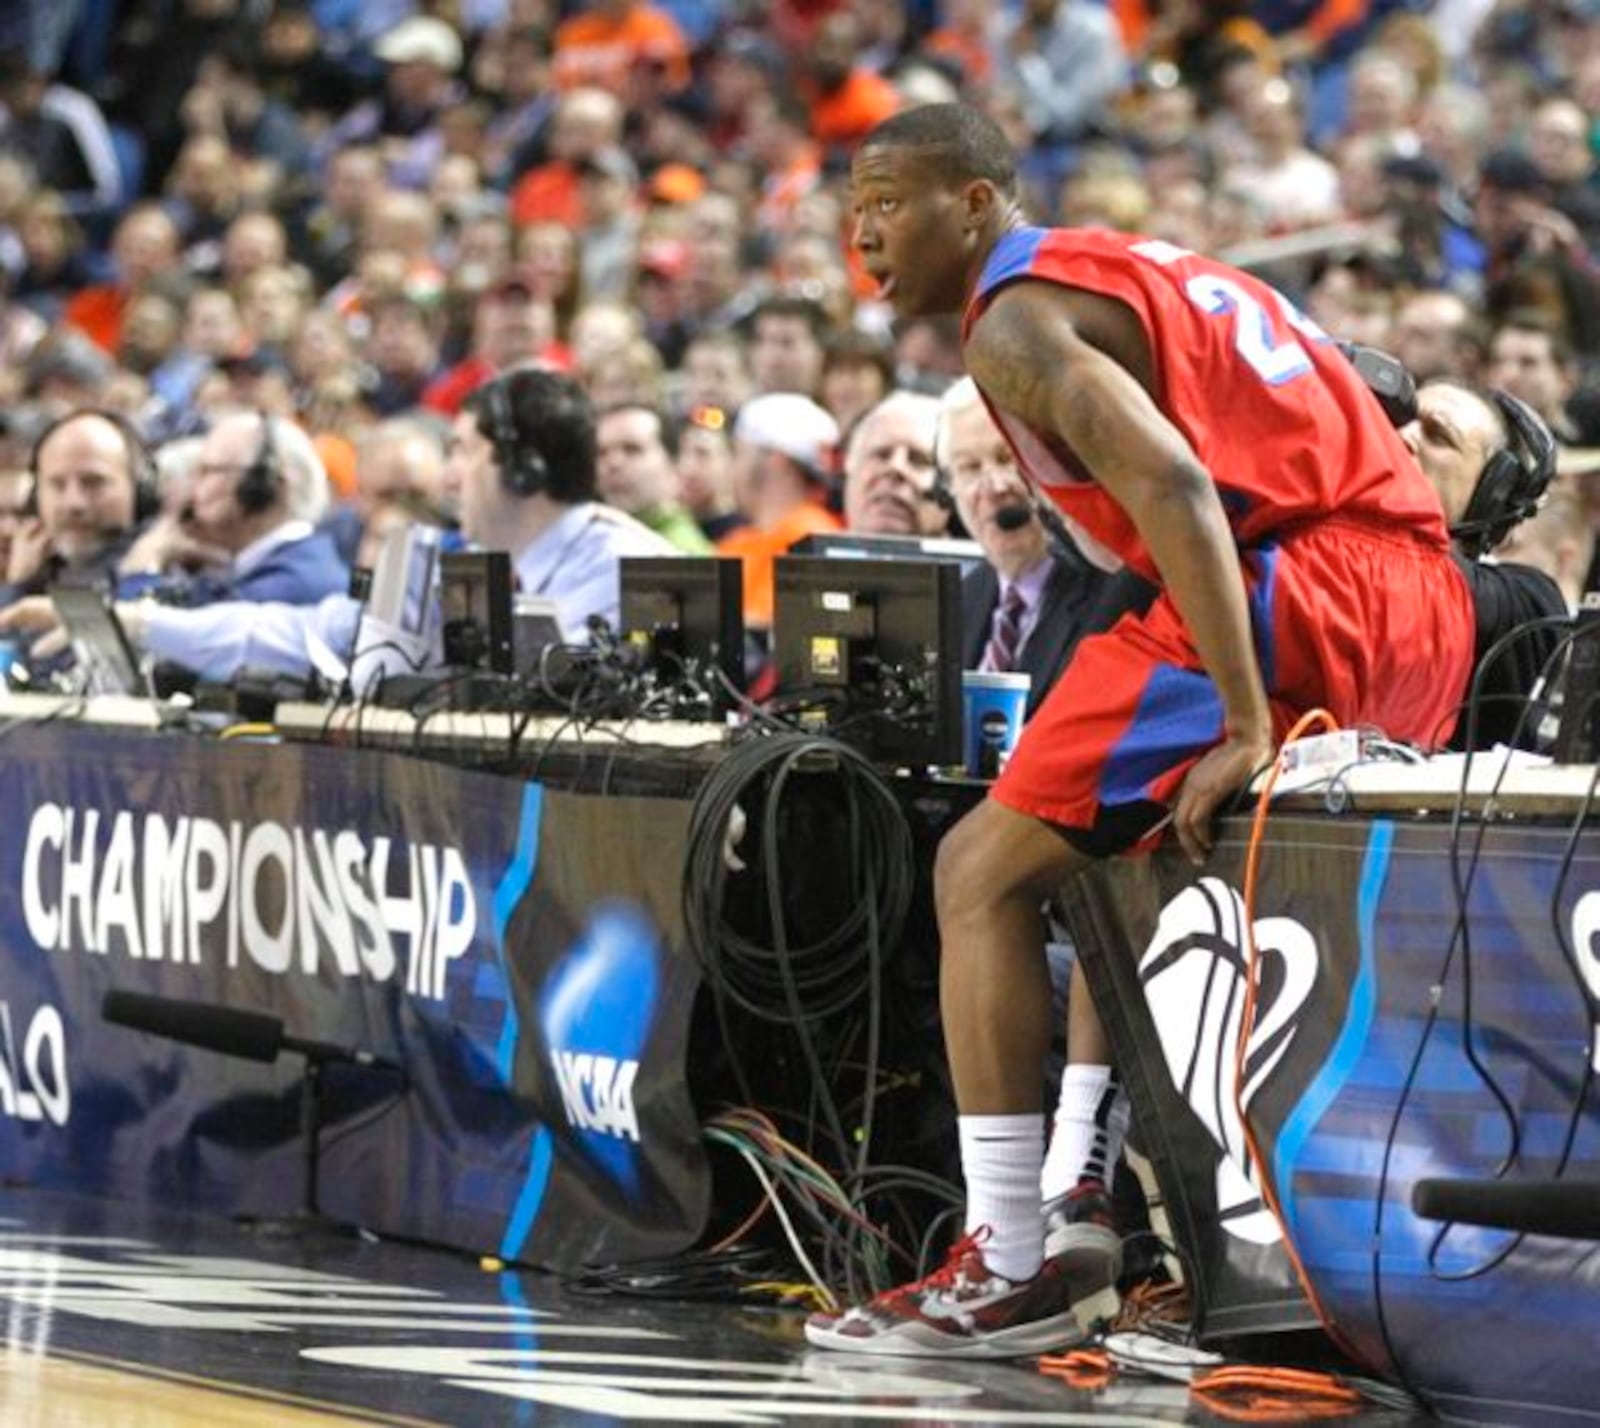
(1217,776)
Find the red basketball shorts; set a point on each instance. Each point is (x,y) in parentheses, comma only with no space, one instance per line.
(1376,628)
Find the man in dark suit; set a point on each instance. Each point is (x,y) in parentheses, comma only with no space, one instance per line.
(1032,600)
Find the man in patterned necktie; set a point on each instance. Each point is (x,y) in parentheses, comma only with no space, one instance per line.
(1027,606)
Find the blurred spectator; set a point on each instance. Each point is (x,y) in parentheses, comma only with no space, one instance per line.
(1451,125)
(152,346)
(889,470)
(857,374)
(1352,300)
(636,473)
(608,229)
(61,133)
(610,44)
(705,470)
(845,96)
(1559,538)
(20,332)
(927,353)
(777,139)
(787,345)
(512,325)
(658,293)
(586,120)
(202,193)
(65,370)
(1435,335)
(421,56)
(513,66)
(161,46)
(1383,101)
(785,453)
(326,239)
(53,266)
(399,466)
(273,301)
(253,243)
(716,372)
(965,38)
(1531,359)
(403,349)
(1559,145)
(1065,58)
(1296,187)
(1105,196)
(1534,253)
(227,102)
(548,254)
(143,247)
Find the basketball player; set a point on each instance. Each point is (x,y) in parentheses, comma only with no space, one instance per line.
(1190,425)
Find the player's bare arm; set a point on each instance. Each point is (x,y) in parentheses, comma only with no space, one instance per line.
(1043,354)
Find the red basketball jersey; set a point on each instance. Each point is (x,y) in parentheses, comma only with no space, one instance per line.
(1275,412)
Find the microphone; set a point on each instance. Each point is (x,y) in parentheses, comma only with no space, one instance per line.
(1013,518)
(232,1031)
(1569,1209)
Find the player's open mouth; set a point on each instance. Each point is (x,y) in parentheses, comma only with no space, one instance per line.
(887,282)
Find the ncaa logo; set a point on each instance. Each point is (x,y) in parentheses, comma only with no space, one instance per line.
(1193,975)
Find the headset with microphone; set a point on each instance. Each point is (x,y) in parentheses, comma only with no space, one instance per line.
(1514,478)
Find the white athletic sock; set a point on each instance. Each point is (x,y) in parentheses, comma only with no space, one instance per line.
(1091,1124)
(1000,1159)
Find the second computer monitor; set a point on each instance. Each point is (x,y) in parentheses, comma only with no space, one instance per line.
(685,614)
(875,647)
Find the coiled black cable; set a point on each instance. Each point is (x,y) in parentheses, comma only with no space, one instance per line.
(800,986)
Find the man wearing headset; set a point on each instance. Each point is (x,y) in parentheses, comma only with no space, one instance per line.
(1490,457)
(1026,607)
(249,529)
(522,465)
(91,488)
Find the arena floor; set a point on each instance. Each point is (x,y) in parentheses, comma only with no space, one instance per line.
(121,1315)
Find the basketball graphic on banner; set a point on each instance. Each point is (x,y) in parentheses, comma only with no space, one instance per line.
(1193,973)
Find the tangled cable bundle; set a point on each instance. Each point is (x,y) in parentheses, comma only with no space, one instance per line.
(811,981)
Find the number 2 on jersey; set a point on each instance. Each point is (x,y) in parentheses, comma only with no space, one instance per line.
(1275,360)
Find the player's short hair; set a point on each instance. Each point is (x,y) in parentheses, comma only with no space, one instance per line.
(963,142)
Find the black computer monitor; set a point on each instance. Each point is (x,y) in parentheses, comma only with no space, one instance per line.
(686,614)
(853,545)
(877,645)
(475,610)
(102,647)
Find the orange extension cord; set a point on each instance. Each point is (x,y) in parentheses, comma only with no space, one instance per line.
(1252,866)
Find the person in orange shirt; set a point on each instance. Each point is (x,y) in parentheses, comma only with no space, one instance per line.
(610,40)
(785,448)
(846,98)
(586,120)
(144,246)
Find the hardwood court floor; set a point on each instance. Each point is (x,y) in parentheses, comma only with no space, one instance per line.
(120,1316)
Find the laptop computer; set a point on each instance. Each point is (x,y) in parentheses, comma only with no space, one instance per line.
(99,643)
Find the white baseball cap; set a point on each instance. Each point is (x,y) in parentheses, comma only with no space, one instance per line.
(422,39)
(792,424)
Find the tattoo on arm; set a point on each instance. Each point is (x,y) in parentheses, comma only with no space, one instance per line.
(1029,358)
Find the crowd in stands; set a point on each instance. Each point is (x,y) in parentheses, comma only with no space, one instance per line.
(347,215)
